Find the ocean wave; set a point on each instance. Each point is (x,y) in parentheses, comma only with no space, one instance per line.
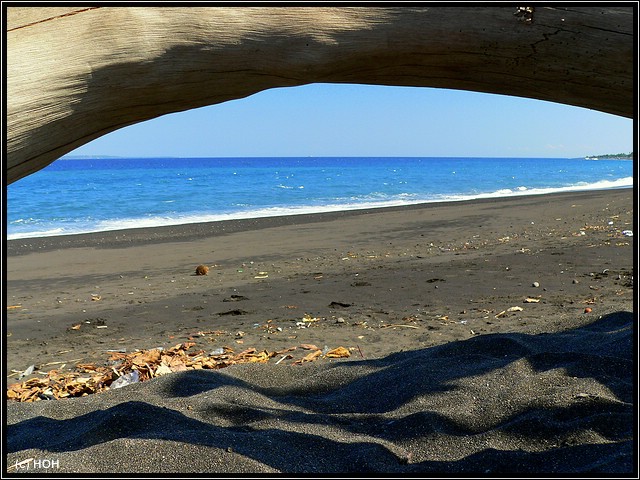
(580,186)
(372,201)
(38,233)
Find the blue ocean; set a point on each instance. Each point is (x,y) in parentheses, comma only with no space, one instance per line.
(73,196)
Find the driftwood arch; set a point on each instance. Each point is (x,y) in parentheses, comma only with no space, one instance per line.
(75,74)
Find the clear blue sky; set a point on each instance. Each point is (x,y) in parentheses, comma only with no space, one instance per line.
(363,120)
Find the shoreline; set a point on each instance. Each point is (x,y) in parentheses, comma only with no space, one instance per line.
(198,230)
(140,274)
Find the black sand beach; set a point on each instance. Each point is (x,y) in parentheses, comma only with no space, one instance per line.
(444,375)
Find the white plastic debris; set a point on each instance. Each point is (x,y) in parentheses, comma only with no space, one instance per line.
(127,379)
(627,233)
(27,372)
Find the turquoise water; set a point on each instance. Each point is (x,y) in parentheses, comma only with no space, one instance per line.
(89,195)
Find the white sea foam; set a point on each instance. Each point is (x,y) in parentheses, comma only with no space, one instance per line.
(43,233)
(355,204)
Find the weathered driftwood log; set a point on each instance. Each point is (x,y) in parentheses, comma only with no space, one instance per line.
(74,74)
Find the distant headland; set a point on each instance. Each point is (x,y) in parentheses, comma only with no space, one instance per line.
(611,156)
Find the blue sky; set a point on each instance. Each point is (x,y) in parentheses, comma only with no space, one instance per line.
(364,120)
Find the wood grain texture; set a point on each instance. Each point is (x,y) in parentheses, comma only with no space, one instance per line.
(77,73)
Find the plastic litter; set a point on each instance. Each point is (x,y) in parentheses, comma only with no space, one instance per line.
(27,372)
(125,380)
(627,233)
(217,351)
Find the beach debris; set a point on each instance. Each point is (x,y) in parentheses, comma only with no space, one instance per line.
(235,298)
(284,357)
(535,284)
(339,304)
(202,270)
(95,297)
(308,318)
(236,311)
(531,300)
(262,275)
(123,369)
(588,310)
(627,233)
(13,307)
(338,352)
(125,380)
(28,371)
(509,310)
(394,325)
(309,357)
(75,326)
(163,369)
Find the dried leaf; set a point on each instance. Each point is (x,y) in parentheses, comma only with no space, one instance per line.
(338,353)
(309,357)
(178,367)
(280,352)
(118,355)
(259,357)
(402,325)
(150,356)
(248,351)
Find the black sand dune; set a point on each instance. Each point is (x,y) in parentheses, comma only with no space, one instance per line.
(553,403)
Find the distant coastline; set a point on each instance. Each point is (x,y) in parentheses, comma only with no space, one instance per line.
(611,156)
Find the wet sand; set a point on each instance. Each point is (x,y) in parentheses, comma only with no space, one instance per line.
(442,377)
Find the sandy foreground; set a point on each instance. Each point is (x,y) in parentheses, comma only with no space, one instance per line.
(444,375)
